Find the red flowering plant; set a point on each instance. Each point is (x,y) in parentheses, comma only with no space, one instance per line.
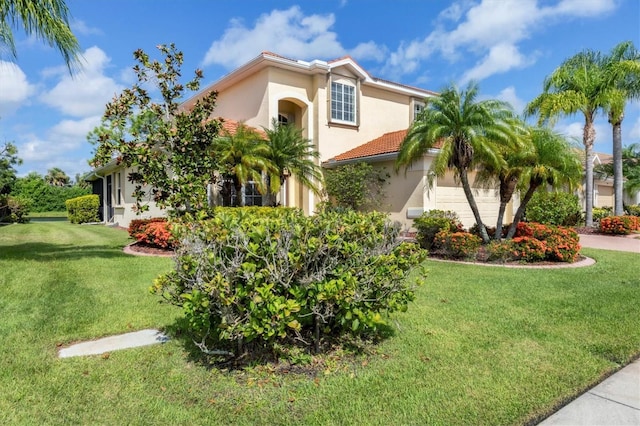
(154,232)
(528,249)
(457,245)
(620,225)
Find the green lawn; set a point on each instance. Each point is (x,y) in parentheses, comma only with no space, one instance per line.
(480,345)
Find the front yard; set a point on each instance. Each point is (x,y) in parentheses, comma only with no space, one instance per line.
(480,345)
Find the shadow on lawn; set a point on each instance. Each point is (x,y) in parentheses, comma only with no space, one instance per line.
(49,252)
(291,357)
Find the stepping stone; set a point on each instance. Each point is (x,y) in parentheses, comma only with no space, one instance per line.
(114,343)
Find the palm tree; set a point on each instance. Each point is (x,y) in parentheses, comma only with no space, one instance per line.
(577,85)
(554,163)
(292,154)
(468,132)
(57,177)
(507,174)
(47,20)
(623,72)
(243,157)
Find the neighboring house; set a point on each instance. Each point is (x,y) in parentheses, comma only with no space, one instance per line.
(347,114)
(603,194)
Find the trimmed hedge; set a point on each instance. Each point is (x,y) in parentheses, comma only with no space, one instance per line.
(83,209)
(255,281)
(432,222)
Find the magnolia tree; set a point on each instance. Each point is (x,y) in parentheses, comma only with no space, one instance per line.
(167,149)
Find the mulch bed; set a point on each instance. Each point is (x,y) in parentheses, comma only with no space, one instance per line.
(143,249)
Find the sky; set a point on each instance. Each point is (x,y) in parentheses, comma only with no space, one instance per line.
(507,46)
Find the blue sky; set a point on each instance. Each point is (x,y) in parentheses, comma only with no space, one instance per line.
(508,46)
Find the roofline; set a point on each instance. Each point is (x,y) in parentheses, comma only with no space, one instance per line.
(316,66)
(377,158)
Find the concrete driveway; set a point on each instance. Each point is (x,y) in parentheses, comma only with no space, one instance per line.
(629,243)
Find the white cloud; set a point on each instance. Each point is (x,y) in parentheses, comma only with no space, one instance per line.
(509,95)
(501,58)
(491,31)
(87,93)
(60,146)
(15,89)
(81,27)
(634,133)
(285,32)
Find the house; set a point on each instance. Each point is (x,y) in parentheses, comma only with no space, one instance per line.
(348,114)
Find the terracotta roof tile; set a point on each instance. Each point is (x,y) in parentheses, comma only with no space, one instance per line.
(231,126)
(385,144)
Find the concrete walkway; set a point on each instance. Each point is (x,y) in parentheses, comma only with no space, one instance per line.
(615,401)
(114,343)
(629,243)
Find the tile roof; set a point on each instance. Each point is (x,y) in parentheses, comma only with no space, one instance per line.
(385,144)
(231,126)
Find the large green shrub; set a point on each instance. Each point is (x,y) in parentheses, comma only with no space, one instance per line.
(261,280)
(554,208)
(45,197)
(83,209)
(433,221)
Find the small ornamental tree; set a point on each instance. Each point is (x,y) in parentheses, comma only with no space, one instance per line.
(168,148)
(357,186)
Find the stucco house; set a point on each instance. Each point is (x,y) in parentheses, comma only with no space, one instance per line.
(348,114)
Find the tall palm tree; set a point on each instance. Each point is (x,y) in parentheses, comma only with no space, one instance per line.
(579,84)
(554,163)
(292,155)
(243,157)
(622,68)
(57,177)
(630,169)
(47,20)
(467,131)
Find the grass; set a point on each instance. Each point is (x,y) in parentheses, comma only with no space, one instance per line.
(480,345)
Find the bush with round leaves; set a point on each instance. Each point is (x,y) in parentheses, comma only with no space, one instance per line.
(258,280)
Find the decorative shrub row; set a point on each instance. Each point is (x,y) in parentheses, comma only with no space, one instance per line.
(155,232)
(14,209)
(533,242)
(280,276)
(432,222)
(621,225)
(83,209)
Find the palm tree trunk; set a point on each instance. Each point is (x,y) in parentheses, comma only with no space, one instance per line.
(507,188)
(616,123)
(464,179)
(238,186)
(589,137)
(521,208)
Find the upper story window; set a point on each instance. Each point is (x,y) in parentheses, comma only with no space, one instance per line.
(343,103)
(418,107)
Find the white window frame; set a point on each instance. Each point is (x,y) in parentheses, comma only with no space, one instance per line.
(418,107)
(118,192)
(343,104)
